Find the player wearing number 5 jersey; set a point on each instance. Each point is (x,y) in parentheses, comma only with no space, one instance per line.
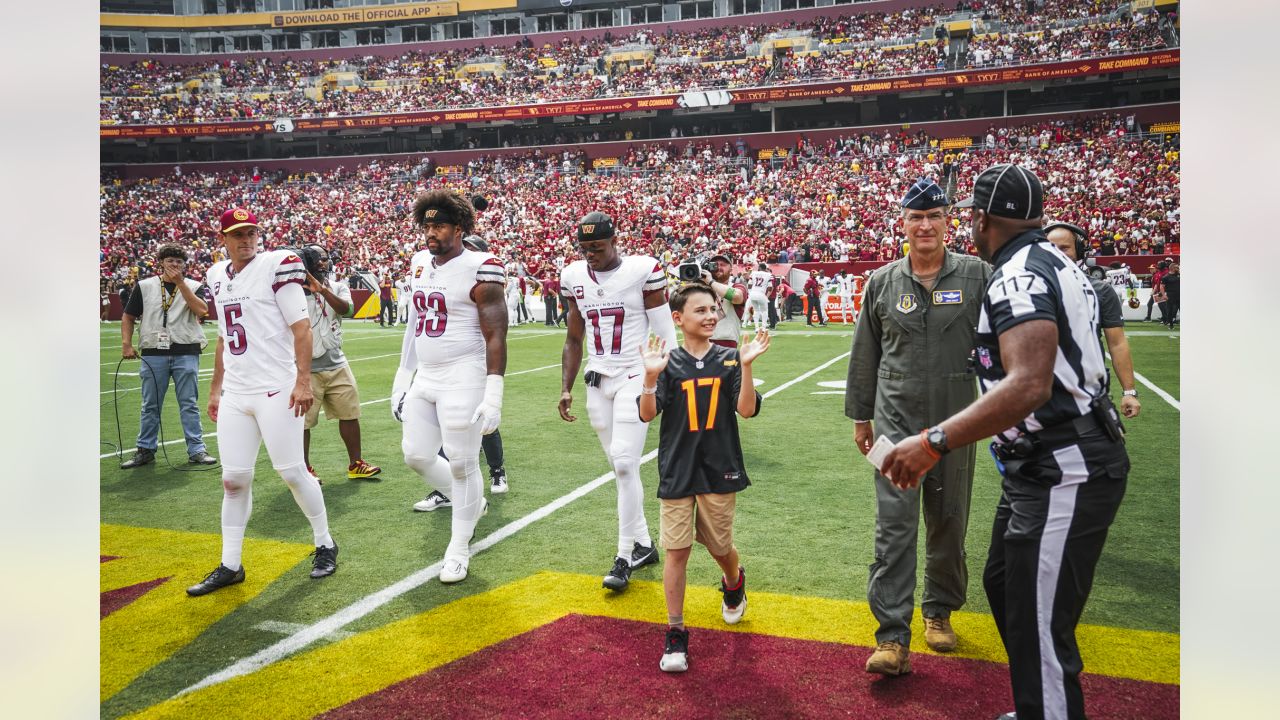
(261,389)
(614,302)
(448,390)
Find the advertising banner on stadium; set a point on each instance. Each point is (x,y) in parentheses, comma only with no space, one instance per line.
(1165,58)
(368,14)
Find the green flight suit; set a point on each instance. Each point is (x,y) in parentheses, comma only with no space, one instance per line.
(910,369)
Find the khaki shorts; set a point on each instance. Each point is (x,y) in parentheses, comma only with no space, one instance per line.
(706,518)
(336,390)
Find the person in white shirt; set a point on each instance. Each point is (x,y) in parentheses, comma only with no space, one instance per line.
(845,287)
(261,389)
(448,390)
(624,298)
(758,294)
(402,299)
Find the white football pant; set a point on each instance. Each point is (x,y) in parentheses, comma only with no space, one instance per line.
(437,413)
(615,417)
(244,422)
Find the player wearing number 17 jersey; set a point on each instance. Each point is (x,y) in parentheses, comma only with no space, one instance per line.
(614,302)
(757,293)
(448,390)
(261,389)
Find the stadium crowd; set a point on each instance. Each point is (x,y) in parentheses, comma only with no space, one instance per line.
(825,201)
(642,62)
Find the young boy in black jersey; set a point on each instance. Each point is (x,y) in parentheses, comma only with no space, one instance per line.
(699,385)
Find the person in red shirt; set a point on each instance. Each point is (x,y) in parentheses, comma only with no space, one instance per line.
(1157,275)
(813,291)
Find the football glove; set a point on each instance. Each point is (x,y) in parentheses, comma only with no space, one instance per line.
(489,411)
(399,389)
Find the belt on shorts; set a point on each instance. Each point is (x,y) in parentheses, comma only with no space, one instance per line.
(1046,440)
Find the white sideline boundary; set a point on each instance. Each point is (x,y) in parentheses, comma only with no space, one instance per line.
(366,605)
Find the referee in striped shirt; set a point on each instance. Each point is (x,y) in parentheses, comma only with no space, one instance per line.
(1057,441)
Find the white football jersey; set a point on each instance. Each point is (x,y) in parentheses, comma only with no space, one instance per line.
(758,283)
(255,308)
(444,320)
(846,284)
(612,305)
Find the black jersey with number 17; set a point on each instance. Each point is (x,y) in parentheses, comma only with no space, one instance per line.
(699,450)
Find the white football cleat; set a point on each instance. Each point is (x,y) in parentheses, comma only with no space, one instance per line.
(453,571)
(433,501)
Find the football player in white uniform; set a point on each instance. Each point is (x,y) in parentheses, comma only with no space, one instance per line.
(757,293)
(261,389)
(845,287)
(624,299)
(448,390)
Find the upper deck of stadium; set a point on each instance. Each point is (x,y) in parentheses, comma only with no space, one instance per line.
(511,67)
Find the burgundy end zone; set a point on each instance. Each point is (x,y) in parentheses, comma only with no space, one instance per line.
(583,666)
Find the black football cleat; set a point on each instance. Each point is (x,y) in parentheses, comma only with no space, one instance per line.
(221,577)
(641,556)
(324,561)
(619,576)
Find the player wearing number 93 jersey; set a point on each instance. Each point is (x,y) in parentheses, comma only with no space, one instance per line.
(614,302)
(261,389)
(448,390)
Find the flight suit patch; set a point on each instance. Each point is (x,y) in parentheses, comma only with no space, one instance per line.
(948,297)
(907,303)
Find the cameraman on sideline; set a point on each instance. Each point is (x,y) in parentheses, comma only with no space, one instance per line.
(731,300)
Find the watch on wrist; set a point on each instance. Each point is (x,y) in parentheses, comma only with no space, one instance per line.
(1131,393)
(937,439)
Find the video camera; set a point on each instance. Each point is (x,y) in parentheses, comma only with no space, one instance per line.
(691,270)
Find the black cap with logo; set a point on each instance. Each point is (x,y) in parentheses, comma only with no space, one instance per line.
(595,226)
(1010,191)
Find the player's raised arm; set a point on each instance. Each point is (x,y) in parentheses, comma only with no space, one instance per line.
(570,357)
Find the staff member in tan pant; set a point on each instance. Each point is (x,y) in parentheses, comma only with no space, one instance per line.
(332,383)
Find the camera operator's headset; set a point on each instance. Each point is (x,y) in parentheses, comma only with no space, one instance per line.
(1080,234)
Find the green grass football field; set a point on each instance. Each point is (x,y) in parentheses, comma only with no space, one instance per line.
(804,528)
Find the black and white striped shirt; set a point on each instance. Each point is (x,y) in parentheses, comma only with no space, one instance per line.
(1033,280)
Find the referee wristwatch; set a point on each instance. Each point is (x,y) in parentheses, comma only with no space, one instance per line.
(1131,393)
(937,439)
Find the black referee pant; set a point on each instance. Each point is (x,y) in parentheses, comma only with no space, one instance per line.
(551,313)
(1050,526)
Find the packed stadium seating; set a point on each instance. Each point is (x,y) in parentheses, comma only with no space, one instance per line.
(838,198)
(848,46)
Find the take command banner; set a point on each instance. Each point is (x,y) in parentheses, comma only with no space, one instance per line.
(991,76)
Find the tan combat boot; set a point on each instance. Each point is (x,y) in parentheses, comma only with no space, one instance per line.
(890,658)
(939,635)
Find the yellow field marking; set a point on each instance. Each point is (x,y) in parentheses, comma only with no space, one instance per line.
(155,626)
(311,683)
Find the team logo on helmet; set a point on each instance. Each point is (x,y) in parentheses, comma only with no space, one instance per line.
(907,303)
(240,215)
(417,272)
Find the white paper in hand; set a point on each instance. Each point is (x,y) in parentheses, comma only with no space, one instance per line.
(879,451)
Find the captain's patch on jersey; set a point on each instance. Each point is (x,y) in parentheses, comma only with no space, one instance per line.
(579,292)
(948,297)
(907,303)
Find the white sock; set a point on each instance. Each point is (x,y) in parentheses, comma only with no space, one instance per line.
(310,498)
(237,506)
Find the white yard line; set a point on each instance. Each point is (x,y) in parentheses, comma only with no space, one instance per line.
(1155,389)
(367,402)
(362,607)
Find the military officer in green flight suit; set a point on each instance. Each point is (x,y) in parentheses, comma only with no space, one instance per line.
(910,369)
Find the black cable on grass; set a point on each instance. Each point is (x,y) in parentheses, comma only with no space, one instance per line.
(115,384)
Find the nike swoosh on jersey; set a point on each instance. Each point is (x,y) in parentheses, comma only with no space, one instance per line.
(273,394)
(633,377)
